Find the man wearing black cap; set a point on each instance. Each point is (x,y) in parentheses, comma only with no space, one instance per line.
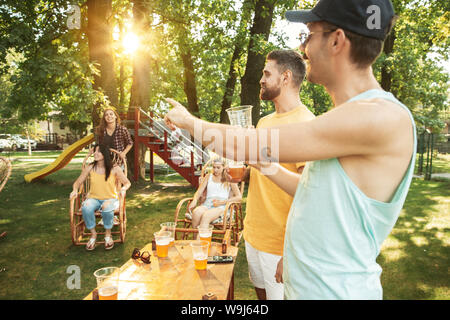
(360,156)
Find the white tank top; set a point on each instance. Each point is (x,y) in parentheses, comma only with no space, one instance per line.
(216,190)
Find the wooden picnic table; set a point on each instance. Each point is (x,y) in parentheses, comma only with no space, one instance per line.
(175,277)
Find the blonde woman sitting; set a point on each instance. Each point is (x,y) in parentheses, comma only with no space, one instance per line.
(218,193)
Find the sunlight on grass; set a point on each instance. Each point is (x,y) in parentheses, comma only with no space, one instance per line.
(444,237)
(438,222)
(420,219)
(393,249)
(420,241)
(29,164)
(44,203)
(155,197)
(424,287)
(5,221)
(394,255)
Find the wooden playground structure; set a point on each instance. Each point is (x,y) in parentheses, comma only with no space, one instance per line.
(181,152)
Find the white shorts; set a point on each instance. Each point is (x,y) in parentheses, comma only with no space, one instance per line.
(262,267)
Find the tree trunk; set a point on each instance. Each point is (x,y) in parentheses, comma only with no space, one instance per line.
(190,87)
(238,49)
(250,87)
(28,141)
(99,34)
(231,83)
(140,87)
(122,78)
(183,39)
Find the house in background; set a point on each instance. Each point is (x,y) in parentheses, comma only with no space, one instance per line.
(57,134)
(444,145)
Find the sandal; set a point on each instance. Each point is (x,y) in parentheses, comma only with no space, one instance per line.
(109,243)
(91,244)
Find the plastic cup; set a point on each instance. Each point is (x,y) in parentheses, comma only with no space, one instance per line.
(107,283)
(205,234)
(236,170)
(240,116)
(200,253)
(162,239)
(169,226)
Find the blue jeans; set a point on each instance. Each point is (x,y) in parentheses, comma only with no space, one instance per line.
(91,205)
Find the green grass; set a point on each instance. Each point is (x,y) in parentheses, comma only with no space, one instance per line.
(39,154)
(415,257)
(37,251)
(440,164)
(35,254)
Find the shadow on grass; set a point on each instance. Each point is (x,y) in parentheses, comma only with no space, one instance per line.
(415,257)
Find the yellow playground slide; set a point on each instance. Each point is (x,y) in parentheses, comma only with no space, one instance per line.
(63,159)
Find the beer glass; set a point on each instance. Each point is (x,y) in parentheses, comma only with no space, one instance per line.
(205,234)
(236,170)
(162,239)
(107,283)
(240,116)
(200,253)
(169,226)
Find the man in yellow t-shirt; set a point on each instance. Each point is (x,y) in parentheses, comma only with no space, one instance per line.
(268,205)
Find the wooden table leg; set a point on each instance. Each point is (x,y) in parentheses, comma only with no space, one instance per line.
(230,295)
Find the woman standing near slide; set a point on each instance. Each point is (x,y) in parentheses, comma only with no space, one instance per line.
(110,132)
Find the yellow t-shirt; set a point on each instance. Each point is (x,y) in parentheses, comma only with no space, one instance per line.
(268,205)
(101,189)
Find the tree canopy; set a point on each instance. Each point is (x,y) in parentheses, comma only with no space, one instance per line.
(208,54)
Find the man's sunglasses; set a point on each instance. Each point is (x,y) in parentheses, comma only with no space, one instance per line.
(305,35)
(144,256)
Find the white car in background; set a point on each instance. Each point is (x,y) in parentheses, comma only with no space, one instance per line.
(5,142)
(21,142)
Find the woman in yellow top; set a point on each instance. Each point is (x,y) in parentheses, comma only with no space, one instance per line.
(102,194)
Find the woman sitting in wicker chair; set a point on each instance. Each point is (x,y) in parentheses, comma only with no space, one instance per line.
(102,195)
(218,191)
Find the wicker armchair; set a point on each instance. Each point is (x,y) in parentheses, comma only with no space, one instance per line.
(80,235)
(5,173)
(227,229)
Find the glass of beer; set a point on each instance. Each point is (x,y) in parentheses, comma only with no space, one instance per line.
(240,116)
(200,253)
(162,239)
(236,170)
(107,283)
(205,234)
(169,226)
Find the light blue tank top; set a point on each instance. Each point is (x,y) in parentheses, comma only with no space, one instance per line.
(334,231)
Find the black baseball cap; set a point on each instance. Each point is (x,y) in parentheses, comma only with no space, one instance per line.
(370,18)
